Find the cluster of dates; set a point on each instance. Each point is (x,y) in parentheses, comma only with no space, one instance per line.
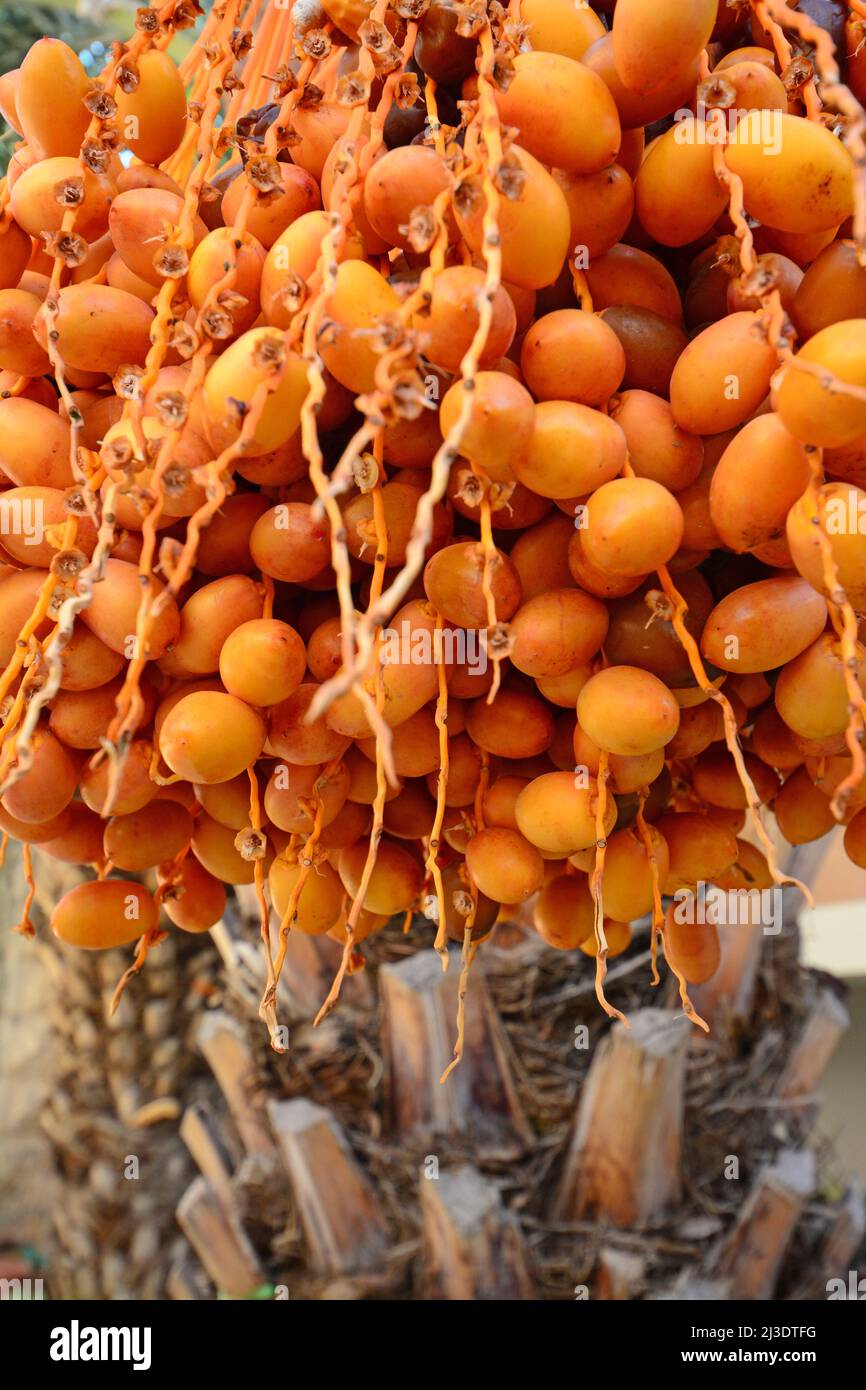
(433,453)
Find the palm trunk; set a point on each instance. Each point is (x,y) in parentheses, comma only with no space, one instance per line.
(555,1205)
(317,1178)
(119,1086)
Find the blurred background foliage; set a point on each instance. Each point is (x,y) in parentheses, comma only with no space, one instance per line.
(77,22)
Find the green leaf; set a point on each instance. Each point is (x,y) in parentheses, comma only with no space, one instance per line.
(264,1291)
